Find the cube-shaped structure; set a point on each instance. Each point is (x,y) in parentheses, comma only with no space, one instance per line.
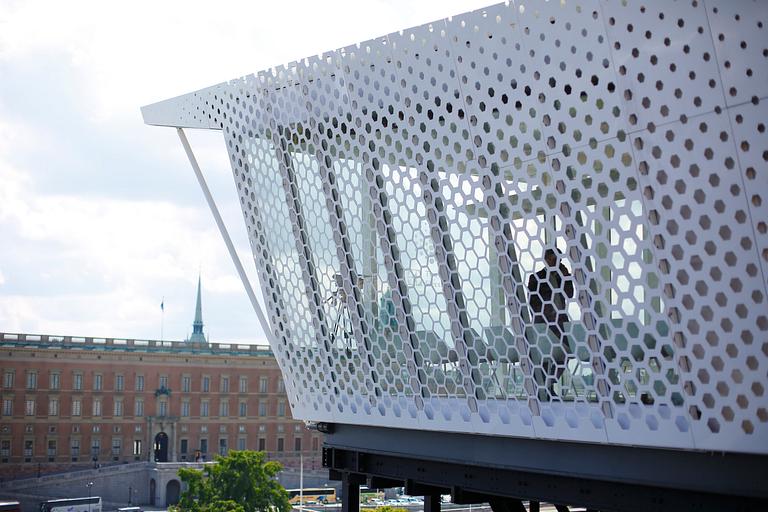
(541,220)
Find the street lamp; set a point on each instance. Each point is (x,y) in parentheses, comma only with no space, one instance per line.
(89,485)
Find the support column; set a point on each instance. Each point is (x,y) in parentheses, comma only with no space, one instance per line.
(303,249)
(353,293)
(370,263)
(584,293)
(172,443)
(162,487)
(500,372)
(396,278)
(498,301)
(150,438)
(499,218)
(432,503)
(262,253)
(506,505)
(350,493)
(439,229)
(225,235)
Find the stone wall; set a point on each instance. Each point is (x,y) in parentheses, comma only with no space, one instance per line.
(114,483)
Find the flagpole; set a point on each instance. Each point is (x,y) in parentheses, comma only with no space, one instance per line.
(162,317)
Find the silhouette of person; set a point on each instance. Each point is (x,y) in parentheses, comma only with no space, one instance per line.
(550,288)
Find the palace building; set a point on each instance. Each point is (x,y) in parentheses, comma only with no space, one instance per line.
(69,402)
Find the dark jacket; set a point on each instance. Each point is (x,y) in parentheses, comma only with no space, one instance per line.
(549,291)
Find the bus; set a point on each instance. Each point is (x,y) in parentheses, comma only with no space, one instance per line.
(312,495)
(92,504)
(10,506)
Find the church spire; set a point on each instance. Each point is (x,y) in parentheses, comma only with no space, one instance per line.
(197,325)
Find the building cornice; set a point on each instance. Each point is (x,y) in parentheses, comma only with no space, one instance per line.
(126,345)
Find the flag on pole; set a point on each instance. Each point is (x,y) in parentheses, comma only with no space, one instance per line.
(162,304)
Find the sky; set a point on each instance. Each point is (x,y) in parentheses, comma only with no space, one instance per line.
(101,218)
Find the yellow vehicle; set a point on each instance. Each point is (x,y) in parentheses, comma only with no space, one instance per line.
(312,495)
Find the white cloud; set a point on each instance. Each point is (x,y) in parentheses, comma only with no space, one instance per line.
(95,265)
(98,213)
(135,53)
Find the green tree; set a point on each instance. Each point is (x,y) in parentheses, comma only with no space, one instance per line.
(223,506)
(243,481)
(216,506)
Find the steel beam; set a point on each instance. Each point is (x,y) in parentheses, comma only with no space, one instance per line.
(499,220)
(350,493)
(406,327)
(353,294)
(301,236)
(584,293)
(225,235)
(439,229)
(432,503)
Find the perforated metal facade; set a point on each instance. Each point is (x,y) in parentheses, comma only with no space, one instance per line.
(400,195)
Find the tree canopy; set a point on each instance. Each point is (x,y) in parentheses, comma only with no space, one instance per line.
(243,481)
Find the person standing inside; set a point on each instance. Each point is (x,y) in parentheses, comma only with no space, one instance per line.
(550,288)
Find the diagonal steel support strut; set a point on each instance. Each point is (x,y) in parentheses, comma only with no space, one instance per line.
(225,235)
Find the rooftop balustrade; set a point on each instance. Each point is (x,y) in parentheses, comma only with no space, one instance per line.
(51,341)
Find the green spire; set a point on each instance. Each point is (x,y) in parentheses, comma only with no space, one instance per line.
(197,325)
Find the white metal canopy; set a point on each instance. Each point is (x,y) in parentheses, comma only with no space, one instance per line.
(400,193)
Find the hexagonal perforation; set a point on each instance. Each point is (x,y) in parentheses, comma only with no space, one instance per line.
(739,32)
(400,195)
(665,59)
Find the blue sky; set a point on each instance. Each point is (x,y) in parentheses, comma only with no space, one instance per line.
(100,215)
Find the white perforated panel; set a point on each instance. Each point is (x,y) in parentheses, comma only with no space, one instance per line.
(401,195)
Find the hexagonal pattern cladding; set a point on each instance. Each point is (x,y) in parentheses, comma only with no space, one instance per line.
(401,196)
